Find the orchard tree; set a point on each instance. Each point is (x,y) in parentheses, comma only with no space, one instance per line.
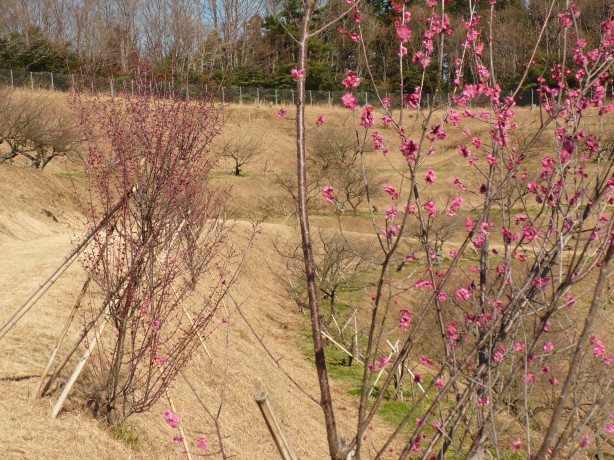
(518,302)
(148,167)
(34,129)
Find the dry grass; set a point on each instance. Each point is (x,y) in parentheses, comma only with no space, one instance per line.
(32,243)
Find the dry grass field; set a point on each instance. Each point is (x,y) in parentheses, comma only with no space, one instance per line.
(39,221)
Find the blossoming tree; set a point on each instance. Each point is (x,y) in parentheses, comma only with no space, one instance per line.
(515,290)
(148,166)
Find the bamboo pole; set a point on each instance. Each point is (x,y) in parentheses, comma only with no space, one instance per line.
(342,348)
(61,338)
(74,254)
(277,432)
(184,440)
(77,371)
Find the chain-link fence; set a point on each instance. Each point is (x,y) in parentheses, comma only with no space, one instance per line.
(229,94)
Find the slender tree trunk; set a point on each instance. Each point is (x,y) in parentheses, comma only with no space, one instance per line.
(326,403)
(114,378)
(553,426)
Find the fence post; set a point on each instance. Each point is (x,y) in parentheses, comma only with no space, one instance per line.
(132,87)
(329,101)
(277,432)
(31,82)
(52,86)
(240,95)
(73,82)
(292,91)
(12,88)
(310,98)
(275,96)
(366,98)
(223,95)
(112,88)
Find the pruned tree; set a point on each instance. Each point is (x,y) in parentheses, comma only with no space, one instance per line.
(35,129)
(242,151)
(148,165)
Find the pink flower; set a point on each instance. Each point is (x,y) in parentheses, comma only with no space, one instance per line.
(403,32)
(430,176)
(404,319)
(426,361)
(366,118)
(459,184)
(281,113)
(464,151)
(442,296)
(320,120)
(483,402)
(418,378)
(173,419)
(541,283)
(392,213)
(177,439)
(609,428)
(355,37)
(327,193)
(430,207)
(351,80)
(202,443)
(383,362)
(452,331)
(391,191)
(463,294)
(599,349)
(439,384)
(297,74)
(548,347)
(155,325)
(349,101)
(469,224)
(455,206)
(519,347)
(516,445)
(529,378)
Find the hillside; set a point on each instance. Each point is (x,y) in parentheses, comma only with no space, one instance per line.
(38,223)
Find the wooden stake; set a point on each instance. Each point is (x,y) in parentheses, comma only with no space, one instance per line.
(71,352)
(186,446)
(277,432)
(61,338)
(74,254)
(342,348)
(78,370)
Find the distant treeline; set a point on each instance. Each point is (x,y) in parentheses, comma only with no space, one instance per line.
(251,42)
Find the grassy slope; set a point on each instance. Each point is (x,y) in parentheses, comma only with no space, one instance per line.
(31,244)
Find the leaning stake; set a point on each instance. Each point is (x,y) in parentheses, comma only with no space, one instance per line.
(36,295)
(283,445)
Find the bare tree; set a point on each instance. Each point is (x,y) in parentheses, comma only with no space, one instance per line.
(34,128)
(242,151)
